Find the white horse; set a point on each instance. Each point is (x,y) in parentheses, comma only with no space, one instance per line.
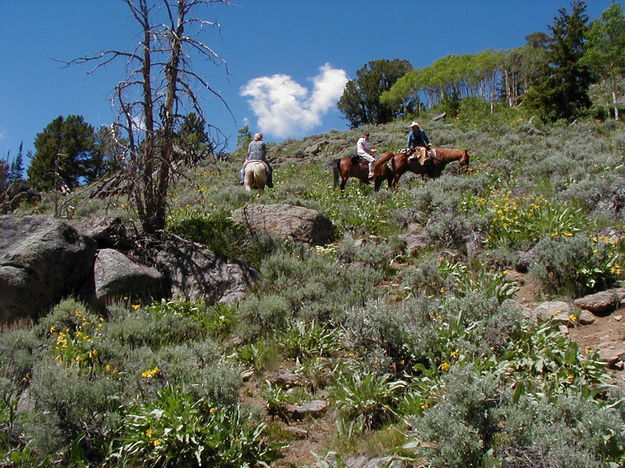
(256,176)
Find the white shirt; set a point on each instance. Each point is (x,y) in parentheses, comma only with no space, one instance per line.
(362,147)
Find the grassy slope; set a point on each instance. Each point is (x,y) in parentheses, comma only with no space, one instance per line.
(410,351)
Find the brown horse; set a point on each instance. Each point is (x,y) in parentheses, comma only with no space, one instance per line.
(351,167)
(432,168)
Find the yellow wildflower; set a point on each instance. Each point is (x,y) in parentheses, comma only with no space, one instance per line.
(445,366)
(149,374)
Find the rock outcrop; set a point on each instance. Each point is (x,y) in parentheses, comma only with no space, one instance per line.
(197,274)
(115,275)
(42,260)
(293,223)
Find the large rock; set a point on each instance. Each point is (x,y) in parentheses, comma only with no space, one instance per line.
(197,274)
(415,243)
(42,260)
(115,276)
(601,302)
(107,232)
(289,222)
(558,311)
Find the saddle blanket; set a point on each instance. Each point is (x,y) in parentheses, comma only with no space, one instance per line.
(421,152)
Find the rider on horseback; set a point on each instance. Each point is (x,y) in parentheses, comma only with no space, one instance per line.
(417,139)
(366,152)
(257,151)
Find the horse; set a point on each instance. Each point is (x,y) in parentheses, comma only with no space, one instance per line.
(432,168)
(350,166)
(255,176)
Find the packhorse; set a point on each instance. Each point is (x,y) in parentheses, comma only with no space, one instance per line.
(255,176)
(354,166)
(431,168)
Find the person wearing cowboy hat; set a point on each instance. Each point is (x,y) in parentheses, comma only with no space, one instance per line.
(417,138)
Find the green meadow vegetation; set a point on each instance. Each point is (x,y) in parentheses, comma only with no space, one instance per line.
(426,358)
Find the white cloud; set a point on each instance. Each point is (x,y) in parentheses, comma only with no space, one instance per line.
(285,108)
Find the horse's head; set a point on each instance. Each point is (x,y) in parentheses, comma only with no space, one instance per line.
(464,161)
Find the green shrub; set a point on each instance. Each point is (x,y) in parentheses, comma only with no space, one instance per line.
(260,356)
(70,407)
(156,325)
(175,429)
(390,328)
(521,220)
(459,427)
(220,234)
(543,360)
(576,265)
(198,365)
(372,253)
(437,276)
(570,431)
(304,340)
(315,286)
(19,351)
(368,395)
(261,316)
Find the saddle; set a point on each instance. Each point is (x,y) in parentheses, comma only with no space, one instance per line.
(357,159)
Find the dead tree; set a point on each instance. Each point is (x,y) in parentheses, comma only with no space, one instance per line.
(159,88)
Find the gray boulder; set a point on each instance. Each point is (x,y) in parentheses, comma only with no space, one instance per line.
(42,260)
(198,274)
(115,276)
(293,223)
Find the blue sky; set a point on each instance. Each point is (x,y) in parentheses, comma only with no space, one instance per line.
(286,60)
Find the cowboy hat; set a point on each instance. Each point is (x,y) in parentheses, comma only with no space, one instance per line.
(414,124)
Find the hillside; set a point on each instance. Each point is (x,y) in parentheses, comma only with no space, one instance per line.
(452,322)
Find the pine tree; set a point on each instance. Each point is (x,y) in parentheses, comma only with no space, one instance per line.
(16,169)
(4,175)
(64,153)
(360,102)
(561,92)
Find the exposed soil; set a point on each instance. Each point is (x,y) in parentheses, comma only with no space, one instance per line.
(315,433)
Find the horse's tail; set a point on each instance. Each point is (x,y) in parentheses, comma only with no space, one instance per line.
(335,170)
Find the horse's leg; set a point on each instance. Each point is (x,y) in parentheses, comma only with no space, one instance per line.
(377,182)
(343,182)
(397,174)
